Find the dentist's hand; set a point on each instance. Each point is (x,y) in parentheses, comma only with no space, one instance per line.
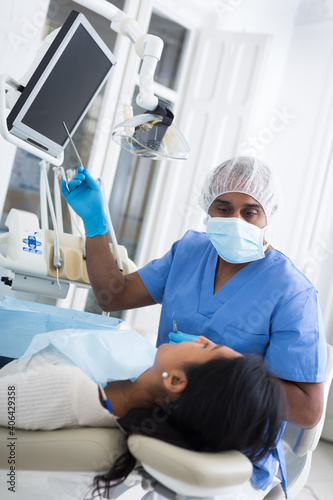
(86,199)
(180,336)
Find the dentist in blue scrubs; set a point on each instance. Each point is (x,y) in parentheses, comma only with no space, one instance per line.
(228,284)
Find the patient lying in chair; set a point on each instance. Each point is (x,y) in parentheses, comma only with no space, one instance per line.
(196,395)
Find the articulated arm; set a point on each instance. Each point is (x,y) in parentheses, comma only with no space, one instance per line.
(148,47)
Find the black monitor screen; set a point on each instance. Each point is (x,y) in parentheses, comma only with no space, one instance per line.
(68,89)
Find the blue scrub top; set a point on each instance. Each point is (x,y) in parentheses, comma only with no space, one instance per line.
(268,307)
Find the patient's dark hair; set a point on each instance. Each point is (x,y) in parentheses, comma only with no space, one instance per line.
(228,404)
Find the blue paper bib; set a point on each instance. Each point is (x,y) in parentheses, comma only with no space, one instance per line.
(104,356)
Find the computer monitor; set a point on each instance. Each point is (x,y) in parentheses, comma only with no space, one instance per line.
(62,87)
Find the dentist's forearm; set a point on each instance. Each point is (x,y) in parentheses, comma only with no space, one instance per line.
(104,275)
(113,290)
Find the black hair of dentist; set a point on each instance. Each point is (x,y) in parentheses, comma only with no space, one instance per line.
(228,404)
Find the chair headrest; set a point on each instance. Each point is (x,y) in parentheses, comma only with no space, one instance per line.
(190,472)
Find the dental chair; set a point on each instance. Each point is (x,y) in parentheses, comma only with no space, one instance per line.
(175,473)
(171,471)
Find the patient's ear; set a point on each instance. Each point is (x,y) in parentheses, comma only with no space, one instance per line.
(175,382)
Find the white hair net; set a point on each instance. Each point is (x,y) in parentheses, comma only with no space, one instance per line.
(242,174)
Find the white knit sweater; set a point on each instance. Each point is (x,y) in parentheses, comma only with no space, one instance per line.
(50,393)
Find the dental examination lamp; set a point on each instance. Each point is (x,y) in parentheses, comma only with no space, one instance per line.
(58,87)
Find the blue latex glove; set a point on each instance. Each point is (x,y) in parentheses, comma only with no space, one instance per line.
(180,336)
(86,199)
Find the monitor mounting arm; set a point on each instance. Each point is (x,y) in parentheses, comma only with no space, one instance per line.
(148,47)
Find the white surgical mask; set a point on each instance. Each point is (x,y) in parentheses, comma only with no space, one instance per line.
(235,240)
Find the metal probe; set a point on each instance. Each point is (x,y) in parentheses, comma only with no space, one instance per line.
(174,324)
(72,142)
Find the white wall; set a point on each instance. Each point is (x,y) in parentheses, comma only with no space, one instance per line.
(302,95)
(275,18)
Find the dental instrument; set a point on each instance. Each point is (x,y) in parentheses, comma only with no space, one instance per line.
(74,147)
(174,324)
(105,399)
